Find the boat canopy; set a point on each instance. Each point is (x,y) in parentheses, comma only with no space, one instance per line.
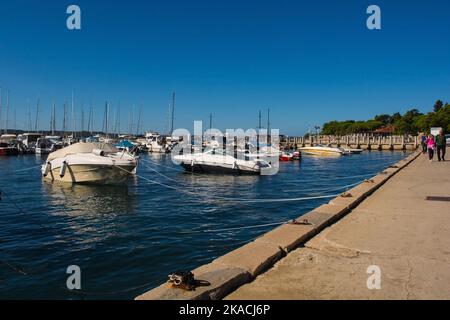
(81,147)
(124,144)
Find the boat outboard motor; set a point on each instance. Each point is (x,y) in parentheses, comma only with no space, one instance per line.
(62,172)
(47,168)
(98,152)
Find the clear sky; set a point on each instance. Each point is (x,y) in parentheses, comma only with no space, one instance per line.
(308,61)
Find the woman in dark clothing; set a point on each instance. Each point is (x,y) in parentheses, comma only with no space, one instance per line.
(440,146)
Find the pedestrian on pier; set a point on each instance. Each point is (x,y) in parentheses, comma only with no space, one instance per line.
(440,145)
(431,145)
(423,139)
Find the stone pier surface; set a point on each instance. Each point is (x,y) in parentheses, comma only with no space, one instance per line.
(395,228)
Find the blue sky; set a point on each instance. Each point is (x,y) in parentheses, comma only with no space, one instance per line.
(308,61)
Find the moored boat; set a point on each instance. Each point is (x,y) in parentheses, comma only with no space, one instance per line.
(286,156)
(218,161)
(48,144)
(353,151)
(84,162)
(8,145)
(320,150)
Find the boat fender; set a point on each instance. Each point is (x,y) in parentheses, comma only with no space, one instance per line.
(62,172)
(99,152)
(47,168)
(192,162)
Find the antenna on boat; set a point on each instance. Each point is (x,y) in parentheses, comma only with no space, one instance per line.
(210,122)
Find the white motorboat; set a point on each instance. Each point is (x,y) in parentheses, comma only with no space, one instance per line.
(353,151)
(154,143)
(29,140)
(85,162)
(218,161)
(321,150)
(8,144)
(48,144)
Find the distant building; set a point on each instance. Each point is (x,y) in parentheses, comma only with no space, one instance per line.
(390,129)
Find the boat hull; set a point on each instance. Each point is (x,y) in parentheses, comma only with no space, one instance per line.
(9,151)
(91,174)
(322,153)
(215,169)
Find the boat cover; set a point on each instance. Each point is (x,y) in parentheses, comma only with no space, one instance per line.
(81,147)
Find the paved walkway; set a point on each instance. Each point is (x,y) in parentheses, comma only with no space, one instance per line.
(396,228)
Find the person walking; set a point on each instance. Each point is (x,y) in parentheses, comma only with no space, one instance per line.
(440,145)
(430,146)
(423,138)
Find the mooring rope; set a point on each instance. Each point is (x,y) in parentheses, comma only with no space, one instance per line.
(231,199)
(238,228)
(301,180)
(26,169)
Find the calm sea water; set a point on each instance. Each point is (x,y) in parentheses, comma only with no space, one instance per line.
(127,239)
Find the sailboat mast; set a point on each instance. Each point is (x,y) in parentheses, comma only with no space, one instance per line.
(106,119)
(64,128)
(139,121)
(7,110)
(92,117)
(53,118)
(1,109)
(268,124)
(37,116)
(82,122)
(118,119)
(15,119)
(172,113)
(89,117)
(73,118)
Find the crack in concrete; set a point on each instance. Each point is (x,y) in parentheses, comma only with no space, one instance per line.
(333,248)
(407,285)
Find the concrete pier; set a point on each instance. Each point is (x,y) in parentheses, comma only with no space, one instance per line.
(385,221)
(403,228)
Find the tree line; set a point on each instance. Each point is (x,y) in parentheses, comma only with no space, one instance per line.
(411,122)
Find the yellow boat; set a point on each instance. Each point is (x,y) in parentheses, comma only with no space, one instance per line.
(320,150)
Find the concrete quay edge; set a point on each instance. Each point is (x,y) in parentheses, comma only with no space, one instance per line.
(240,266)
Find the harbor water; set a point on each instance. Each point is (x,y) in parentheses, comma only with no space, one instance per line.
(126,239)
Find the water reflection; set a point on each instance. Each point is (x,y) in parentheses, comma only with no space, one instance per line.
(89,200)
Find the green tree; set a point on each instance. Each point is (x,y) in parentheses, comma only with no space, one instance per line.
(384,118)
(437,105)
